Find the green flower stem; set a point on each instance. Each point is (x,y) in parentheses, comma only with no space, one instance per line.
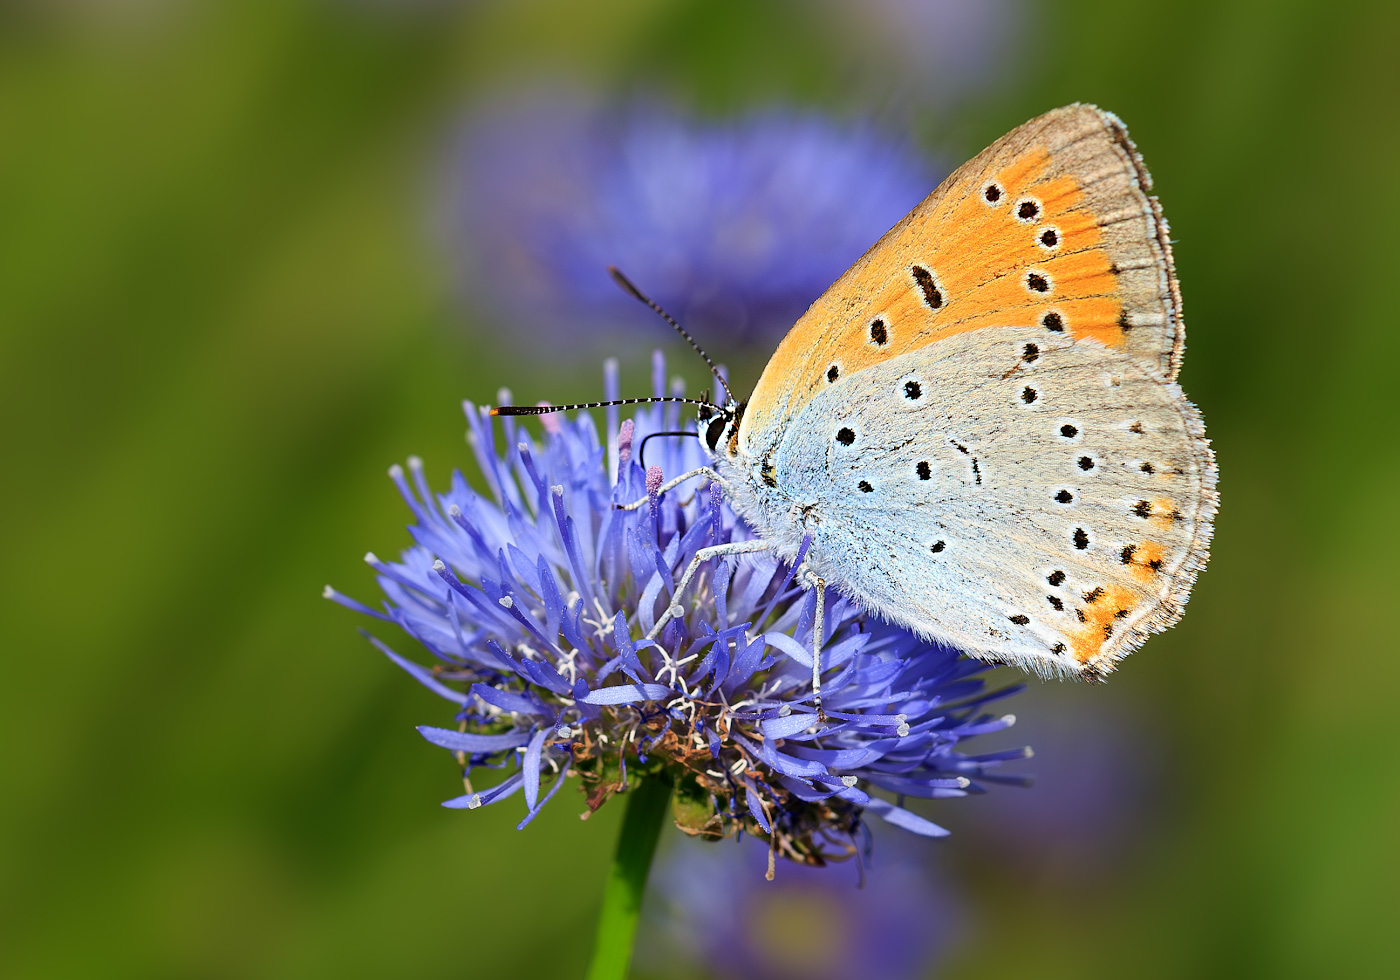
(647,805)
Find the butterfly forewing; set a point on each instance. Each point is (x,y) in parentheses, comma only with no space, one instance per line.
(1050,228)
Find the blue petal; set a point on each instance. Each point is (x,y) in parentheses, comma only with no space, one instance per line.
(517,704)
(790,725)
(499,792)
(901,817)
(558,782)
(470,742)
(786,644)
(420,673)
(628,694)
(756,808)
(531,768)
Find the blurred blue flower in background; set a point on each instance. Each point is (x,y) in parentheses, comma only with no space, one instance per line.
(534,599)
(890,918)
(736,227)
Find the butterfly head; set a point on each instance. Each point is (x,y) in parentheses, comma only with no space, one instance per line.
(719,427)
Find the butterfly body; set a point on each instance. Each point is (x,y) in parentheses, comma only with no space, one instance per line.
(977,431)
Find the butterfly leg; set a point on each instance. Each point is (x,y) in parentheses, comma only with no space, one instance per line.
(820,585)
(703,555)
(672,484)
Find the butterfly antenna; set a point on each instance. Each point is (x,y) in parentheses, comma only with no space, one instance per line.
(547,409)
(627,284)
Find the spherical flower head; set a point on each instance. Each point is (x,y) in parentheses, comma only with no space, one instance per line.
(734,226)
(535,597)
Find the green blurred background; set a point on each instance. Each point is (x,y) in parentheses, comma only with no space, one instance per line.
(222,315)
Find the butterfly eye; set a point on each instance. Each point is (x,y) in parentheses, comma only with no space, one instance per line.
(878,335)
(845,436)
(832,373)
(1053,322)
(992,193)
(1049,238)
(714,432)
(1080,538)
(1028,209)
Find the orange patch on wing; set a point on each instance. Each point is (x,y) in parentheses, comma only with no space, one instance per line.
(1081,273)
(1019,175)
(1100,620)
(1058,195)
(1164,512)
(1145,556)
(1095,317)
(1079,228)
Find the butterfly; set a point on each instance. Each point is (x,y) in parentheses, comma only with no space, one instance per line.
(976,432)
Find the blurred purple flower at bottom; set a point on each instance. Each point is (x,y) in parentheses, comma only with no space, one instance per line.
(736,227)
(710,904)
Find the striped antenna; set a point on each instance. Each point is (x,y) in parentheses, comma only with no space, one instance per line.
(626,284)
(547,409)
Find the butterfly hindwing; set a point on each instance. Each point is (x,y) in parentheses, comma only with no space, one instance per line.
(1029,500)
(1050,228)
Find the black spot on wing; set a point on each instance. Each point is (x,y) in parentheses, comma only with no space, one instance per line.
(933,296)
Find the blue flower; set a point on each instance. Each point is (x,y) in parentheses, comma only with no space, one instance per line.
(532,599)
(735,227)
